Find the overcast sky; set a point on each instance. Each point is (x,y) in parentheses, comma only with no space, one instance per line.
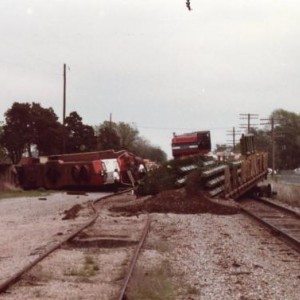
(153,63)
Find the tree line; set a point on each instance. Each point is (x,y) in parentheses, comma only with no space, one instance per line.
(31,129)
(286,139)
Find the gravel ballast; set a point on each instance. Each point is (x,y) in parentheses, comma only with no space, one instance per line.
(206,256)
(29,225)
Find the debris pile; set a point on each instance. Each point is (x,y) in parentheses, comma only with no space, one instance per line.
(72,213)
(179,202)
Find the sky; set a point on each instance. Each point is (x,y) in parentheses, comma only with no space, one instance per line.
(153,63)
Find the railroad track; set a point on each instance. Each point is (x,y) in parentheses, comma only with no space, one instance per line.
(74,238)
(283,221)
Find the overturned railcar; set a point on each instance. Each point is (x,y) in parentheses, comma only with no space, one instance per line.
(76,170)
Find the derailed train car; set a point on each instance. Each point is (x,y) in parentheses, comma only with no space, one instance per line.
(77,170)
(189,144)
(229,177)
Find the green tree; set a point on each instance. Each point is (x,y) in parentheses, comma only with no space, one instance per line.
(107,137)
(143,148)
(287,133)
(116,136)
(28,126)
(128,135)
(80,137)
(263,142)
(15,137)
(3,152)
(45,130)
(122,135)
(220,148)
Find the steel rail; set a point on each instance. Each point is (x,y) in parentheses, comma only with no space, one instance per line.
(291,240)
(277,205)
(16,276)
(134,260)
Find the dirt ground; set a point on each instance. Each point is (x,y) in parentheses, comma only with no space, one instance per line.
(180,202)
(196,249)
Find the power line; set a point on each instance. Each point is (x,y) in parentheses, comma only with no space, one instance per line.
(249,118)
(179,128)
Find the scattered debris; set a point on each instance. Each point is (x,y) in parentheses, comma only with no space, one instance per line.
(72,213)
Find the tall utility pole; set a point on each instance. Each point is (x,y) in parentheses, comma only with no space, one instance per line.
(64,93)
(64,106)
(272,121)
(110,128)
(233,133)
(249,118)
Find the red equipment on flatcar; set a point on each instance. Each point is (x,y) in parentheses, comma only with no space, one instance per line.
(194,143)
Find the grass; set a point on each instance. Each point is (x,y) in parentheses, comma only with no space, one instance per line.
(154,284)
(287,193)
(21,193)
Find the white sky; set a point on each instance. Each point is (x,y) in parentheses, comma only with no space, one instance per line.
(153,63)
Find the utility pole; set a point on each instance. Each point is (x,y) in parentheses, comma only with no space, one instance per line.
(64,93)
(272,121)
(273,146)
(110,128)
(233,133)
(64,105)
(249,118)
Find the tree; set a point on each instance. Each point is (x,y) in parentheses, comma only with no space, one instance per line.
(122,135)
(116,136)
(108,137)
(12,142)
(220,148)
(128,135)
(143,148)
(15,135)
(3,152)
(80,137)
(47,132)
(263,142)
(287,133)
(30,125)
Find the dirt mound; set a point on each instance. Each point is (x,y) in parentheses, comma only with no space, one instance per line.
(72,213)
(177,201)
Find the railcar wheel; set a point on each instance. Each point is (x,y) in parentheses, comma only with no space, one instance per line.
(75,172)
(31,177)
(53,175)
(85,173)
